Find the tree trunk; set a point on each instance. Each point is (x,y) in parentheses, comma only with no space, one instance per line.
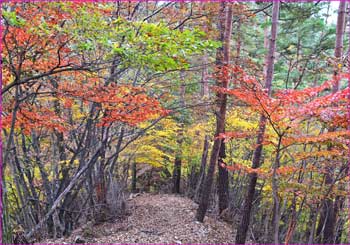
(338,50)
(59,199)
(243,228)
(201,178)
(222,181)
(276,213)
(222,58)
(311,226)
(339,221)
(223,173)
(178,154)
(292,222)
(320,226)
(177,174)
(133,180)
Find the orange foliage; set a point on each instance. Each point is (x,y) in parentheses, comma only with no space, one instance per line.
(30,117)
(35,48)
(287,108)
(121,103)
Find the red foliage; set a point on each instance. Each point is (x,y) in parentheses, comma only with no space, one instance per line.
(30,117)
(287,107)
(37,47)
(122,103)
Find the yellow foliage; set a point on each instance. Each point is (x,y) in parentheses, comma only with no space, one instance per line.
(157,146)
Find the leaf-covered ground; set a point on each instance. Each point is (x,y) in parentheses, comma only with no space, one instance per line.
(156,219)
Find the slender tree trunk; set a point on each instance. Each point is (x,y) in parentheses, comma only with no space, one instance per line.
(133,181)
(292,222)
(202,169)
(276,213)
(222,58)
(177,174)
(266,44)
(338,51)
(178,154)
(311,226)
(320,225)
(23,191)
(338,207)
(58,230)
(204,97)
(63,194)
(243,227)
(5,218)
(222,180)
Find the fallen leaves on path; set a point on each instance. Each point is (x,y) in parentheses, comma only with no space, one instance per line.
(158,219)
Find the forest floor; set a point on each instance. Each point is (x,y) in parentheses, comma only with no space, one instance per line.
(160,218)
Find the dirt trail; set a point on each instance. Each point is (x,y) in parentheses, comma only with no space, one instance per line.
(157,219)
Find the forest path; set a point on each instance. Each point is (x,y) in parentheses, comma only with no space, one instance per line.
(160,218)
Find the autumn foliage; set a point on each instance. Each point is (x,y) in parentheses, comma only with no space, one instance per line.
(286,111)
(108,98)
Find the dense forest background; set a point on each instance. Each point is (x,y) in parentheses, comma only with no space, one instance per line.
(243,107)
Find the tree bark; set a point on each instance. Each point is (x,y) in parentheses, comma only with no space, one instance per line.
(177,175)
(243,228)
(222,58)
(133,181)
(276,213)
(58,200)
(201,178)
(178,154)
(223,173)
(311,226)
(338,50)
(222,181)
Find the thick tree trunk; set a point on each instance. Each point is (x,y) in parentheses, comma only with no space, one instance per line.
(222,59)
(243,228)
